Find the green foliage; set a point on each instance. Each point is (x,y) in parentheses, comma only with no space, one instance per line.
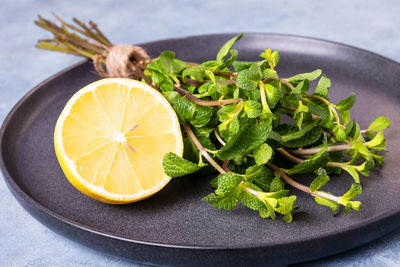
(319,160)
(175,166)
(249,78)
(310,76)
(244,133)
(320,181)
(323,86)
(263,154)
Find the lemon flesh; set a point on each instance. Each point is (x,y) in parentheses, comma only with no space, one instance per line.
(111,137)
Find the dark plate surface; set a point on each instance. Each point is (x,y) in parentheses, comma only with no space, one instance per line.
(174,227)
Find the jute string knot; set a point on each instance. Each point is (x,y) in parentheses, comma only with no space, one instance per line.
(121,61)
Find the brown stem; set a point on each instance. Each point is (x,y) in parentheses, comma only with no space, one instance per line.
(289,156)
(312,151)
(225,165)
(219,138)
(284,81)
(199,146)
(301,187)
(200,102)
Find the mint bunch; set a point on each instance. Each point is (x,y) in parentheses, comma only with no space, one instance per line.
(230,112)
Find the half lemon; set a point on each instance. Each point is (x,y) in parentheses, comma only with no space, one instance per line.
(111,137)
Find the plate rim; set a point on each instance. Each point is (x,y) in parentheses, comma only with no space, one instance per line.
(13,186)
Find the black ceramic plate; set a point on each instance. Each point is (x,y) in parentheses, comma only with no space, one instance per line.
(174,227)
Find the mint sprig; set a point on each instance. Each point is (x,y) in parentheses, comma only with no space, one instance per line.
(242,111)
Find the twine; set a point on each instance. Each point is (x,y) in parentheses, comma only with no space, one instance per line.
(121,61)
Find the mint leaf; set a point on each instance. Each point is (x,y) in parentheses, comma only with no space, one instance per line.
(274,94)
(244,142)
(248,79)
(320,181)
(378,142)
(228,183)
(252,172)
(346,103)
(226,202)
(175,166)
(263,154)
(223,52)
(285,207)
(276,184)
(309,135)
(317,161)
(252,108)
(187,111)
(169,64)
(354,191)
(226,194)
(311,76)
(334,206)
(263,179)
(379,124)
(196,73)
(323,86)
(249,200)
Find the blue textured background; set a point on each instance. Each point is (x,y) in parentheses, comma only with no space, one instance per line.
(372,25)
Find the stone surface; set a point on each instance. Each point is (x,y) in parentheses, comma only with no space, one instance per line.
(372,25)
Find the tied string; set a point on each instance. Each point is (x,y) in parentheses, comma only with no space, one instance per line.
(123,61)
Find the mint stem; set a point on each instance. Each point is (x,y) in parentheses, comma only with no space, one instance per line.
(200,102)
(312,151)
(202,150)
(301,187)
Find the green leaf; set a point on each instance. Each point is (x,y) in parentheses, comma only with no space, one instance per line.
(187,111)
(344,116)
(320,181)
(277,184)
(346,103)
(196,73)
(244,142)
(273,93)
(301,88)
(252,108)
(223,52)
(311,76)
(340,133)
(354,191)
(241,65)
(323,86)
(286,205)
(249,200)
(226,194)
(201,116)
(252,172)
(263,179)
(317,161)
(379,124)
(228,183)
(171,65)
(248,79)
(226,202)
(184,109)
(207,89)
(352,171)
(234,54)
(334,206)
(263,154)
(307,136)
(175,166)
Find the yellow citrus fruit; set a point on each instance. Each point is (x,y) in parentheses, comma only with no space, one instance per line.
(111,137)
